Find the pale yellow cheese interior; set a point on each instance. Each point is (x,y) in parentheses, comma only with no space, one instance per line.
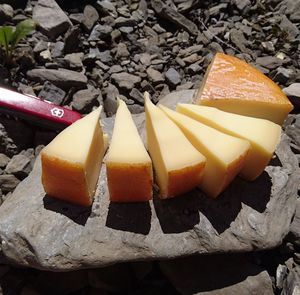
(178,165)
(71,163)
(129,167)
(262,134)
(225,154)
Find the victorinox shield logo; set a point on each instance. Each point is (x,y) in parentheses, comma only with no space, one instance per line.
(56,112)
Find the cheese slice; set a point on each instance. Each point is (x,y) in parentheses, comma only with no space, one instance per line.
(234,86)
(71,162)
(178,165)
(129,167)
(225,154)
(263,135)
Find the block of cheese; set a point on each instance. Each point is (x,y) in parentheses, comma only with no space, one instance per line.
(71,162)
(225,154)
(234,86)
(178,165)
(263,135)
(128,165)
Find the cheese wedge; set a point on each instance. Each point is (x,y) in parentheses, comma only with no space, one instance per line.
(234,86)
(128,165)
(263,135)
(178,165)
(225,154)
(71,162)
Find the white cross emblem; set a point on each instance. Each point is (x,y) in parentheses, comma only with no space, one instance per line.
(56,112)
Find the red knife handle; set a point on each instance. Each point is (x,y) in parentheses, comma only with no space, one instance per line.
(36,110)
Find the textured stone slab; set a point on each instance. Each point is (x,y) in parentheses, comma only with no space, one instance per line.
(38,231)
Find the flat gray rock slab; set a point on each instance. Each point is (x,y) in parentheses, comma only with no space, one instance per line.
(44,233)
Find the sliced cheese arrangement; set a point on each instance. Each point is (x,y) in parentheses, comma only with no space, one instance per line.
(128,165)
(71,162)
(178,165)
(225,154)
(234,86)
(263,135)
(233,129)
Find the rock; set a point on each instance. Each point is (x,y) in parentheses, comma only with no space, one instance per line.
(174,16)
(292,283)
(59,236)
(90,17)
(194,69)
(281,274)
(268,46)
(8,182)
(19,165)
(52,93)
(145,59)
(289,28)
(45,56)
(155,76)
(111,93)
(122,50)
(269,62)
(14,136)
(6,13)
(100,32)
(105,56)
(107,8)
(24,57)
(242,5)
(238,39)
(72,39)
(74,60)
(3,160)
(115,69)
(58,49)
(242,277)
(50,18)
(84,100)
(137,96)
(76,18)
(173,77)
(282,75)
(62,78)
(125,80)
(293,90)
(294,234)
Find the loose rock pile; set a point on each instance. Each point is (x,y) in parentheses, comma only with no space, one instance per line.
(86,53)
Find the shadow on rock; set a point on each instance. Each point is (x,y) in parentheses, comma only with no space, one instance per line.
(178,214)
(130,217)
(182,213)
(78,214)
(197,274)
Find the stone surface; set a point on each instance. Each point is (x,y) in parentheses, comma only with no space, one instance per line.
(173,77)
(3,160)
(19,165)
(292,283)
(247,216)
(8,182)
(52,93)
(84,100)
(62,78)
(125,80)
(50,18)
(155,76)
(6,13)
(294,234)
(90,17)
(217,275)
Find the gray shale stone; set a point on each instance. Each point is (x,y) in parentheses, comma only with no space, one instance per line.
(6,13)
(58,236)
(50,18)
(19,165)
(125,80)
(3,160)
(62,78)
(8,183)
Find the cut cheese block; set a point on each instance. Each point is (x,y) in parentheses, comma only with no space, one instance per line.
(178,165)
(234,86)
(129,167)
(225,154)
(263,135)
(71,162)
